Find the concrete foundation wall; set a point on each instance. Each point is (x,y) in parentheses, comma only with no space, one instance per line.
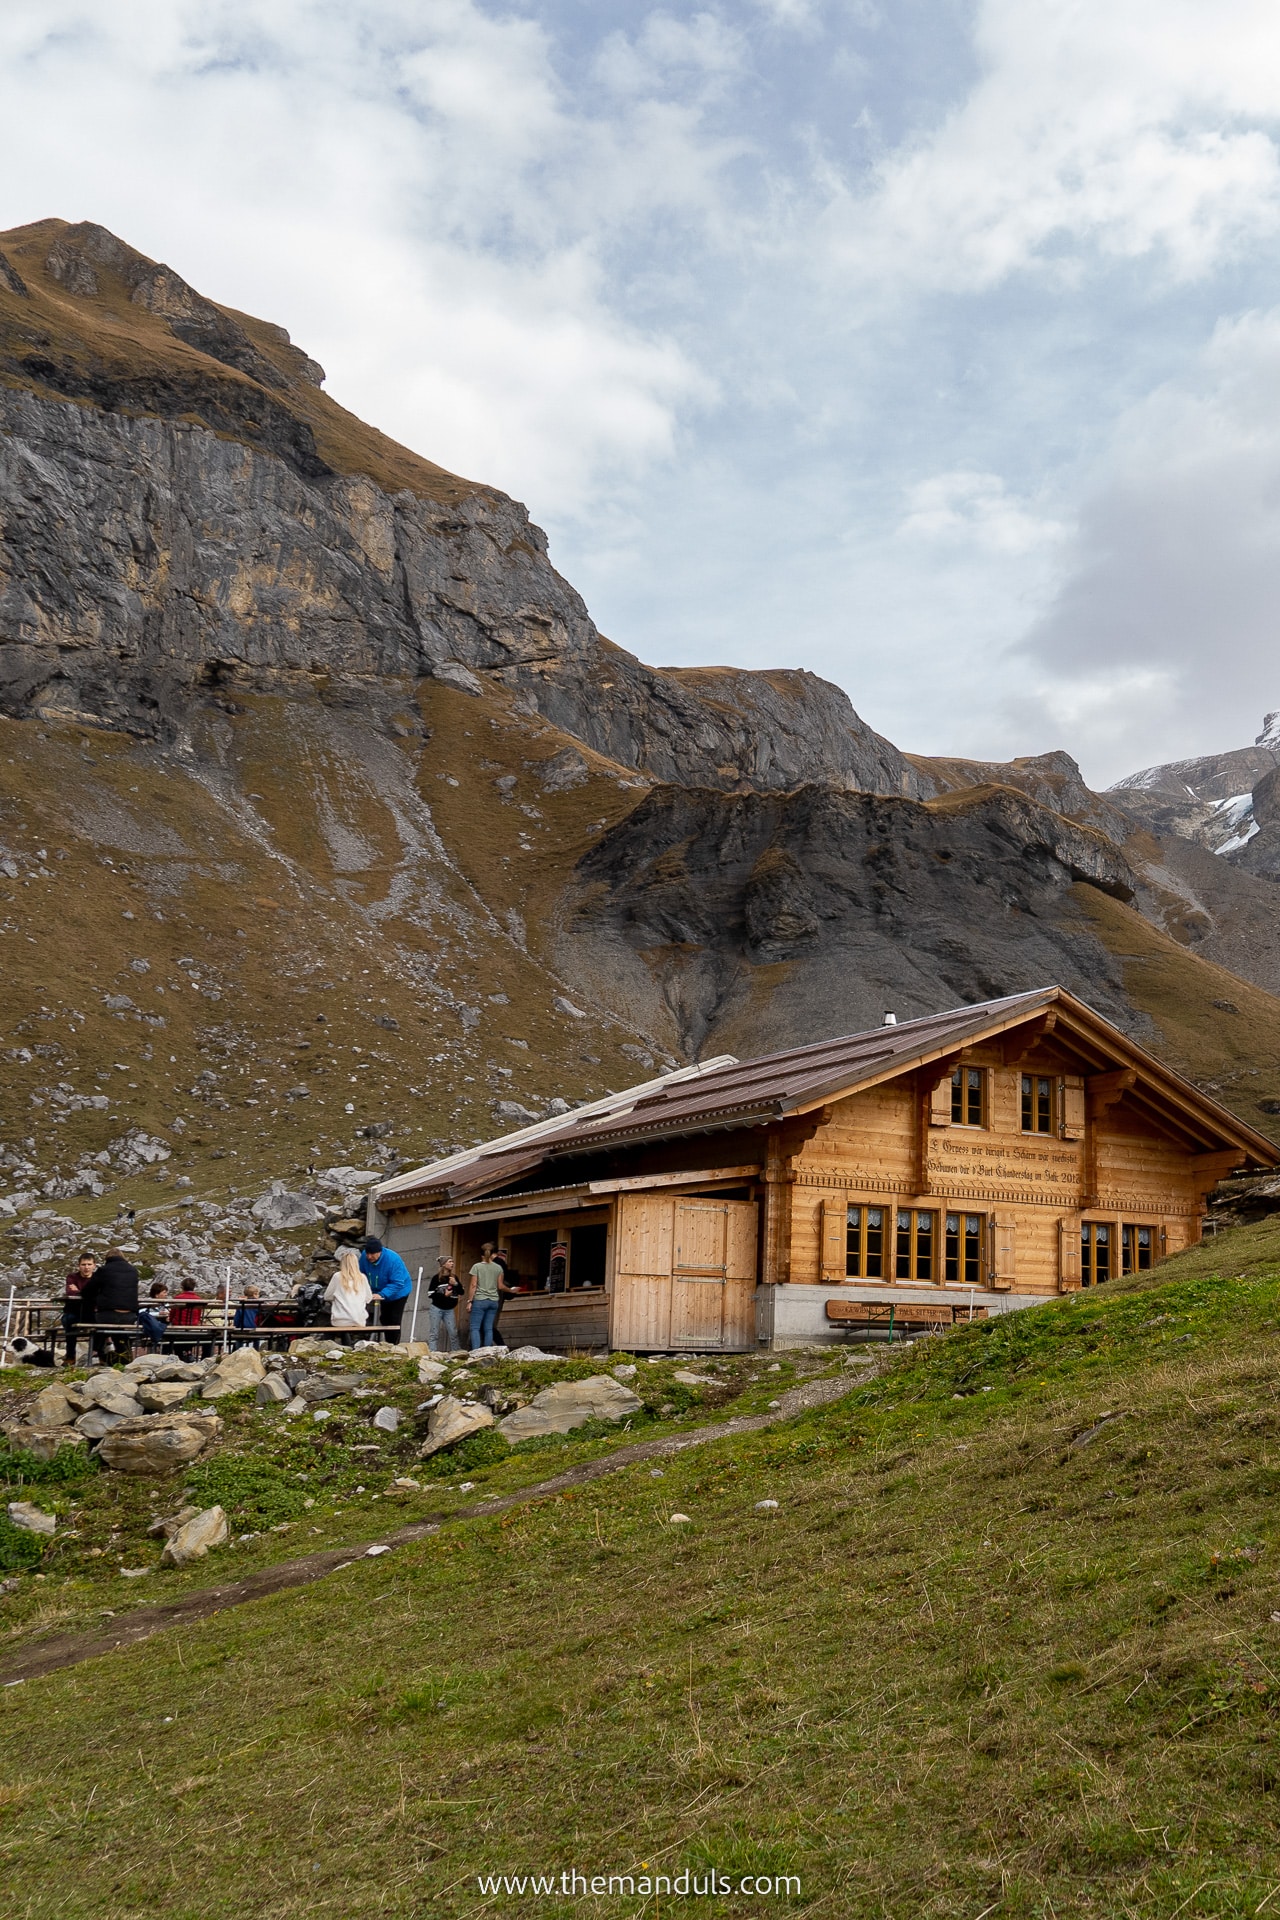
(796,1316)
(418,1246)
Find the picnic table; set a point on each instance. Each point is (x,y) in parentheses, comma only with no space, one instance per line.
(40,1319)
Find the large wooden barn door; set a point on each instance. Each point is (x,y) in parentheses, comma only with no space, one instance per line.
(641,1318)
(685,1273)
(713,1274)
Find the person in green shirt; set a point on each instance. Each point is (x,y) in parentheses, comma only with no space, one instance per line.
(487,1290)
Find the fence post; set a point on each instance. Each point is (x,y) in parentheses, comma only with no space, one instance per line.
(413,1317)
(226,1313)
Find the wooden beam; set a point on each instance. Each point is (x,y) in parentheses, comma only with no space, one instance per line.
(1105,1089)
(707,1177)
(1024,1040)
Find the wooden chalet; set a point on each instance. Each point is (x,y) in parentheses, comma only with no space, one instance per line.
(950,1167)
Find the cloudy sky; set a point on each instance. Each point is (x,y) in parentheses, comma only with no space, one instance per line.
(932,345)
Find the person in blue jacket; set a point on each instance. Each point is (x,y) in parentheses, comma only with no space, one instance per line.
(390,1279)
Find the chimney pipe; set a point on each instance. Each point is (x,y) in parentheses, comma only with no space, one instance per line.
(890,1020)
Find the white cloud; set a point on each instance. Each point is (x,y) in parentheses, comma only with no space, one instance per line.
(1165,627)
(975,509)
(1116,129)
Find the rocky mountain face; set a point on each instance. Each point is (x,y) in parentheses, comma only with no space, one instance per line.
(333,834)
(205,518)
(1222,801)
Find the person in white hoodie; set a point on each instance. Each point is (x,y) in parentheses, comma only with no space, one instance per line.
(348,1294)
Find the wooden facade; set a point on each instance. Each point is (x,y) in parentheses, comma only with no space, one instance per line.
(955,1166)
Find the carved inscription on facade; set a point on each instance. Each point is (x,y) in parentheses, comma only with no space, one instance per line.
(1043,1170)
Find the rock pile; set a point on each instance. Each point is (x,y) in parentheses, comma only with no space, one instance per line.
(137,1418)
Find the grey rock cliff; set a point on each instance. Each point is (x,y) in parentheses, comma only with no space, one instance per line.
(182,512)
(147,561)
(762,918)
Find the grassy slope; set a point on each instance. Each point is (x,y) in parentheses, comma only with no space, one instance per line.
(1211,1025)
(964,1666)
(249,886)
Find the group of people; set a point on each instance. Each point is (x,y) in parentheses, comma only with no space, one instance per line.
(101,1305)
(374,1269)
(488,1285)
(378,1269)
(102,1301)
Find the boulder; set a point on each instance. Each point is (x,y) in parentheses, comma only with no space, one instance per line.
(533,1353)
(449,1421)
(687,1379)
(166,1528)
(165,1367)
(273,1391)
(43,1442)
(32,1519)
(234,1372)
(296,1405)
(157,1396)
(112,1392)
(429,1371)
(387,1419)
(568,1404)
(55,1408)
(486,1353)
(194,1537)
(160,1443)
(315,1387)
(97,1422)
(281,1209)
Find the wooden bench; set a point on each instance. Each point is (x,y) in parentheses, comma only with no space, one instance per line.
(908,1313)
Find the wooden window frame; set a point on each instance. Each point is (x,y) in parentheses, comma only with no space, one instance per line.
(912,1256)
(963,1089)
(1029,1092)
(857,1235)
(1129,1246)
(965,1258)
(1089,1245)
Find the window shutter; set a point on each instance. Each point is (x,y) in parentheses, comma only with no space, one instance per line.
(832,1226)
(1069,1254)
(940,1104)
(1073,1106)
(1004,1262)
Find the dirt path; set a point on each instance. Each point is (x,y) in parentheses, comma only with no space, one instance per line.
(68,1650)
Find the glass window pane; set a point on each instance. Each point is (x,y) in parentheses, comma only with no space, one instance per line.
(924,1246)
(973,1090)
(1044,1106)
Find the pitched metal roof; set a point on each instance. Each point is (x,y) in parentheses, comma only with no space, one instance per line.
(739,1093)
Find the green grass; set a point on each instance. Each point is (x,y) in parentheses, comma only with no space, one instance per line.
(964,1666)
(290,1486)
